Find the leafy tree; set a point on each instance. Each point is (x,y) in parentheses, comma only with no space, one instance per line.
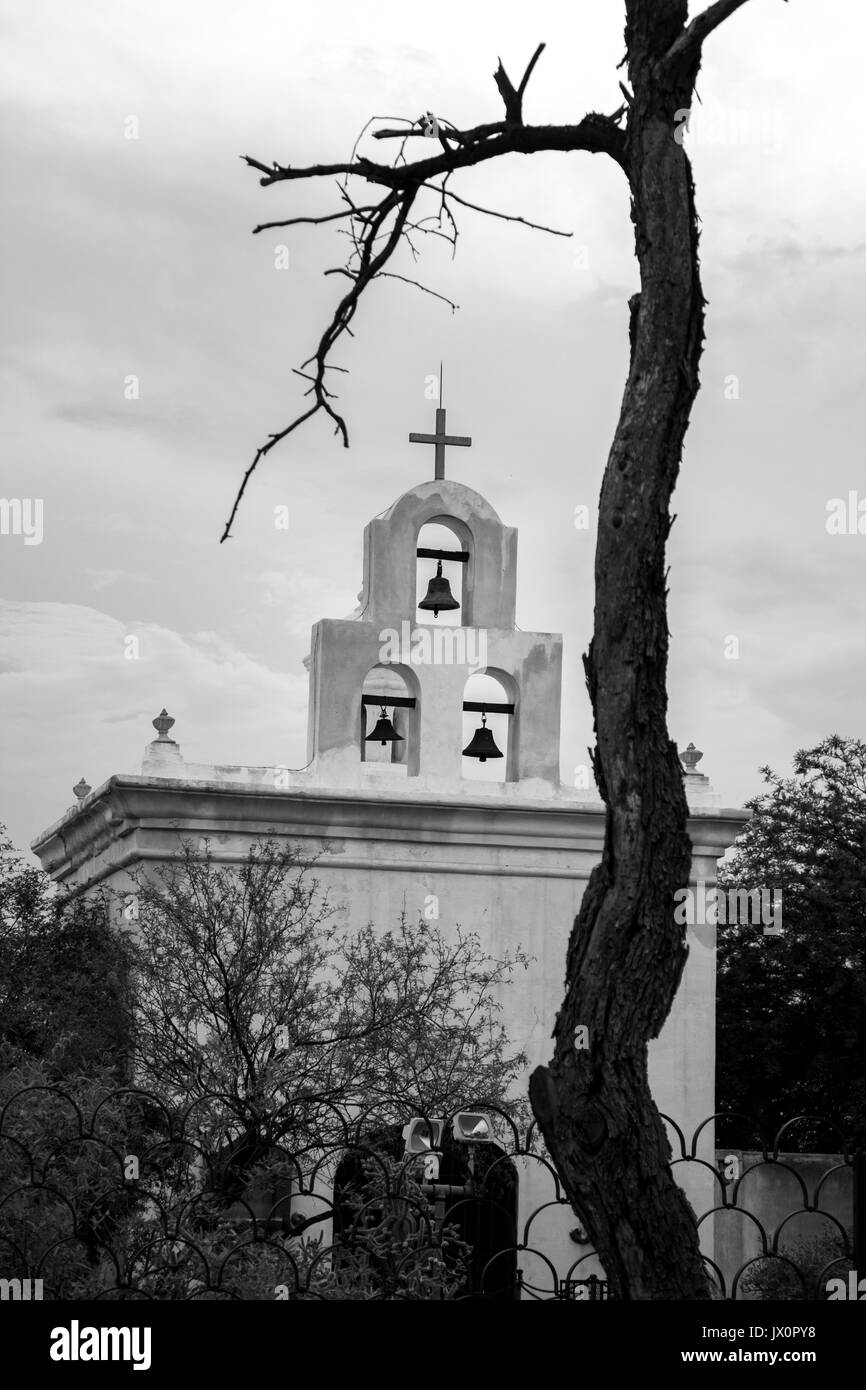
(62,1021)
(62,975)
(626,952)
(816,1260)
(792,1008)
(253,1008)
(63,1200)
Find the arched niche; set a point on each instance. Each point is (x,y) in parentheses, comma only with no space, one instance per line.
(385,683)
(454,537)
(491,687)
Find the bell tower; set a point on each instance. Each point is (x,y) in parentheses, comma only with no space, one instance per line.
(432,663)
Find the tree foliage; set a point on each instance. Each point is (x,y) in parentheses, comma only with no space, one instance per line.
(792,1008)
(62,975)
(64,1205)
(801,1271)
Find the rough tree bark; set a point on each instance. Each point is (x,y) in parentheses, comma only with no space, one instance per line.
(626,954)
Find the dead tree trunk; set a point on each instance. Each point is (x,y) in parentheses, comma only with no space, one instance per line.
(626,953)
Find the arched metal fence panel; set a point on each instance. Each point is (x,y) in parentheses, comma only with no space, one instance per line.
(131,1202)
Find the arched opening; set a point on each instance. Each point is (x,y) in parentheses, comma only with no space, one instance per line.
(449,544)
(496,692)
(481,1209)
(394,690)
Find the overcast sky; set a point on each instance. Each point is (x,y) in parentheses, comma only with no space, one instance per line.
(133,257)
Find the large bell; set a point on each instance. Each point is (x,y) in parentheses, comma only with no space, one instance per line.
(438,595)
(384,731)
(482,745)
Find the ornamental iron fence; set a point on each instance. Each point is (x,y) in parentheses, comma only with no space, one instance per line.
(130,1199)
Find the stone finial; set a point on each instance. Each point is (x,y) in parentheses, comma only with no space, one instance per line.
(81,790)
(699,792)
(162,723)
(690,757)
(162,755)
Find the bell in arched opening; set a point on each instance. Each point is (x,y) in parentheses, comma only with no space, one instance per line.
(438,596)
(482,744)
(384,732)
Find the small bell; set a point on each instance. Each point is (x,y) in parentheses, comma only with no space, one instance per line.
(438,595)
(384,731)
(483,744)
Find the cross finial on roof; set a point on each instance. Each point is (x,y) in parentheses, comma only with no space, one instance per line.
(440,438)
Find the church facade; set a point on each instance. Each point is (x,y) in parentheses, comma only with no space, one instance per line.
(432,786)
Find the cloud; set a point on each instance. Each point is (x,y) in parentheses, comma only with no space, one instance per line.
(75,705)
(170,421)
(304,598)
(104,579)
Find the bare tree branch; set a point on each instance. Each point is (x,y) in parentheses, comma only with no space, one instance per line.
(491,212)
(369,268)
(389,275)
(511,96)
(388,221)
(462,137)
(595,134)
(529,67)
(315,221)
(687,47)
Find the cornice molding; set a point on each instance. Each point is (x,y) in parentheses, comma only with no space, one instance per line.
(126,805)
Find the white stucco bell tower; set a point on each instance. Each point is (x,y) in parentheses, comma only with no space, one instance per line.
(423,667)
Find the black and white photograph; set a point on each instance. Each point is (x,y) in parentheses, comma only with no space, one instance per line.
(432,676)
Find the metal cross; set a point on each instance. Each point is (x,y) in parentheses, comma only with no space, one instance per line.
(440,438)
